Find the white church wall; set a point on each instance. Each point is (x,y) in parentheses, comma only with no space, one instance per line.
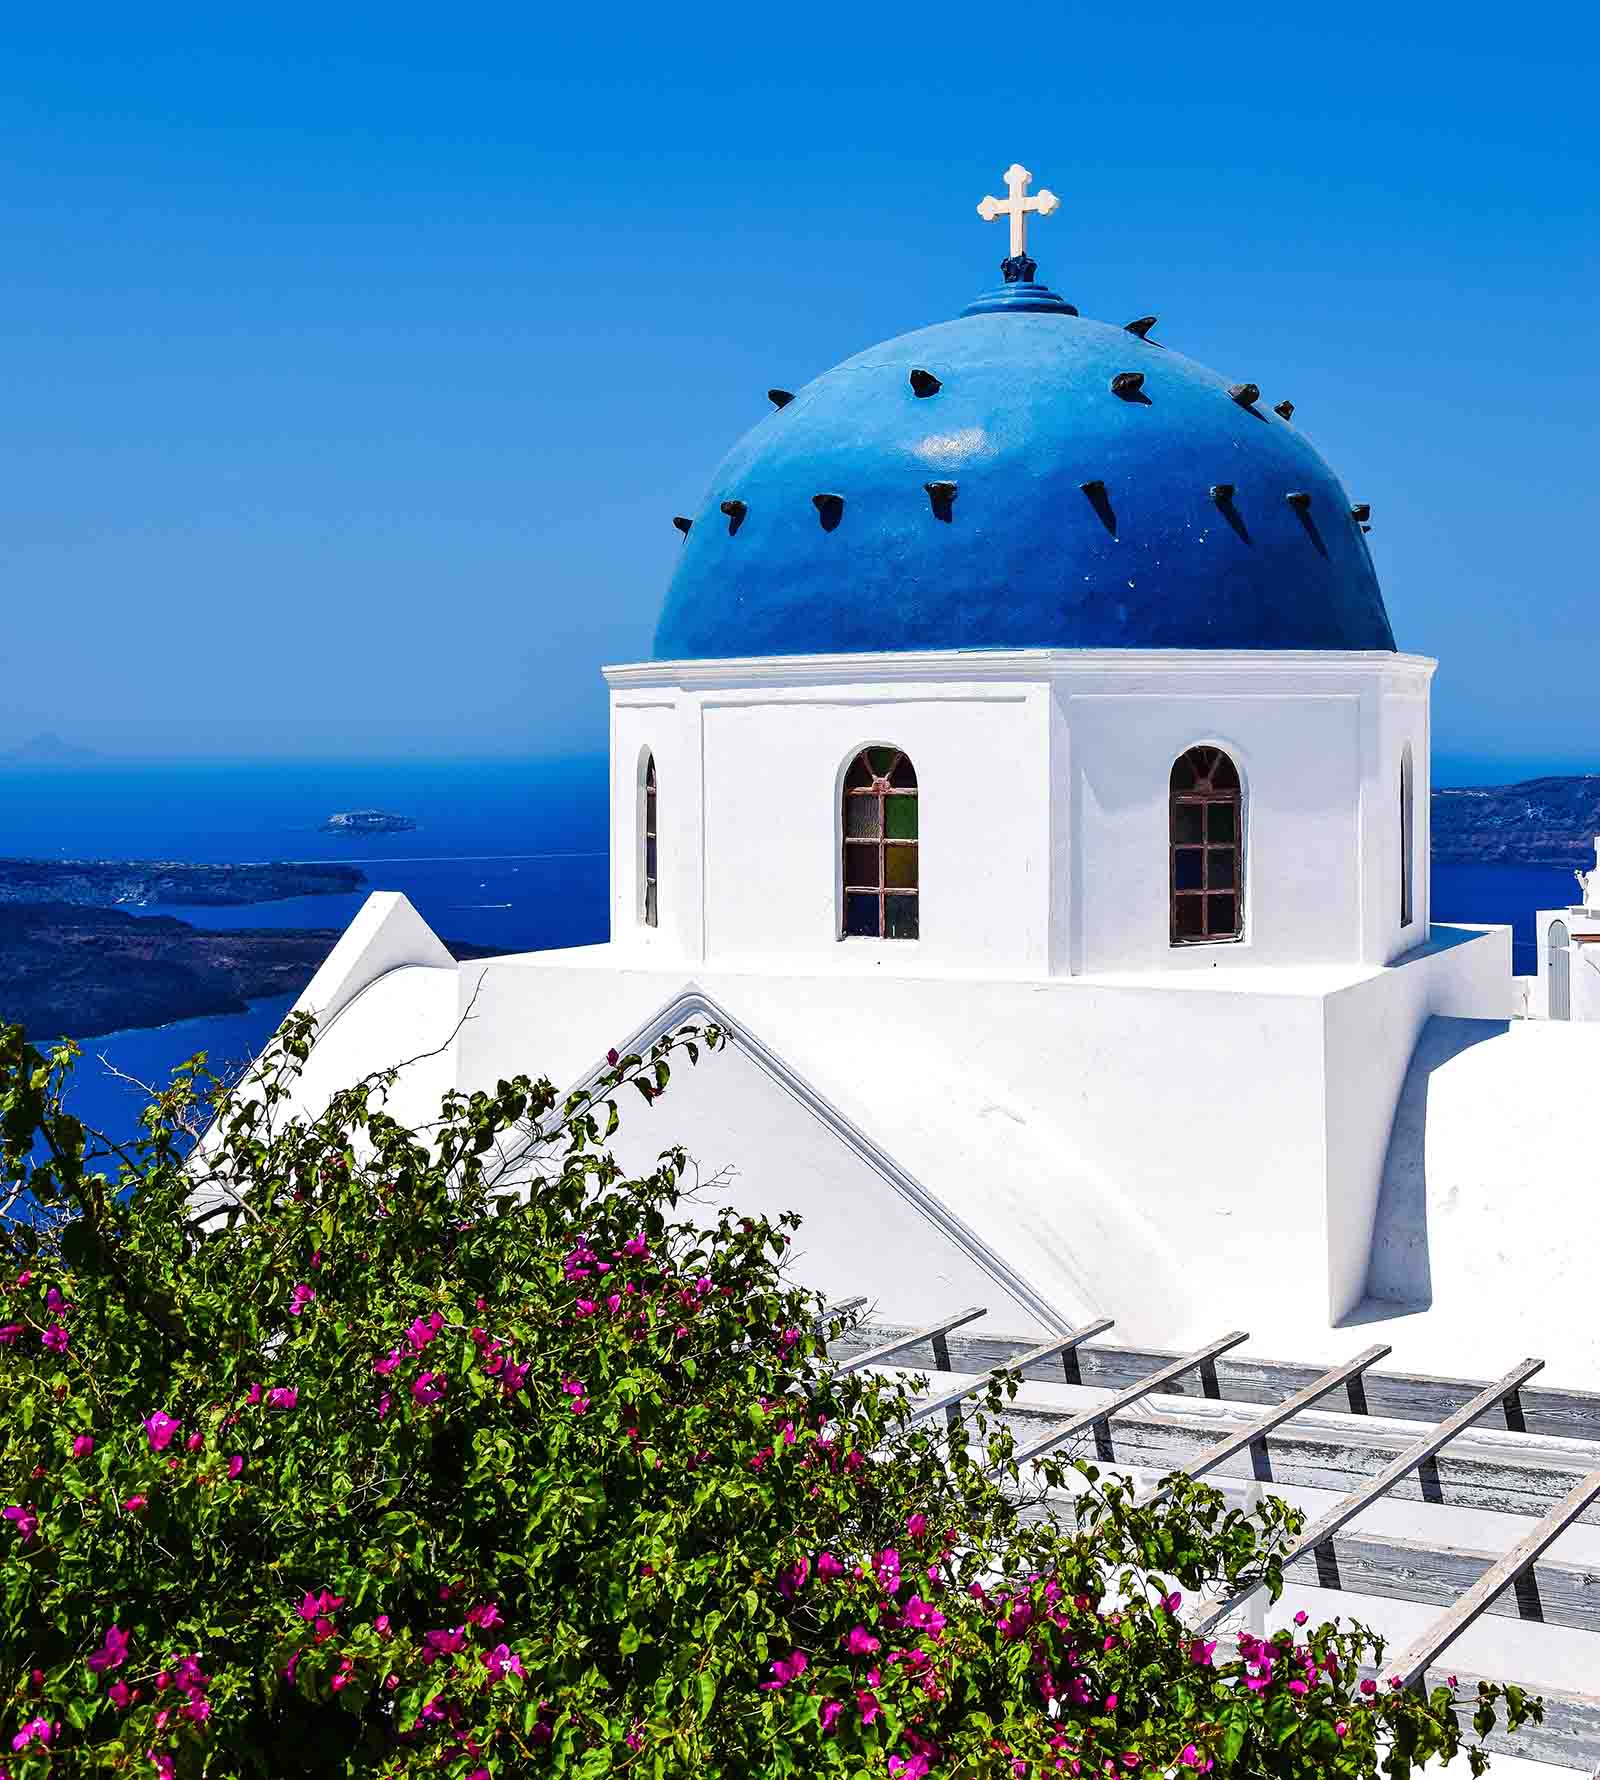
(861,1237)
(1299,761)
(1043,794)
(1395,719)
(1371,1031)
(1124,1149)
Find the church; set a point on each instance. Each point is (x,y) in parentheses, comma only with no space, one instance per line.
(1026,774)
(1027,779)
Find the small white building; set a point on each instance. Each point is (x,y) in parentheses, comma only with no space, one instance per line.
(1567,986)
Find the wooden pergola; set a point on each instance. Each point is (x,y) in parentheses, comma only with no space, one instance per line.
(1505,1445)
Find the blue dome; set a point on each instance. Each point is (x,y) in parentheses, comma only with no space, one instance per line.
(1079,518)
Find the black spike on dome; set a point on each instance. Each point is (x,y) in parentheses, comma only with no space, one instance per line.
(1285,409)
(735,511)
(1299,500)
(780,398)
(941,496)
(1222,493)
(1361,512)
(1141,327)
(1245,394)
(830,509)
(1127,384)
(682,523)
(924,383)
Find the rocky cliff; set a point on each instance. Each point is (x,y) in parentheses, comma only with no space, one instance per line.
(1537,822)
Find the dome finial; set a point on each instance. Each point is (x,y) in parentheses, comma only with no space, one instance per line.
(1017,267)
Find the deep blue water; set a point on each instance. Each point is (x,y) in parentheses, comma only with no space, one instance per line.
(509,854)
(506,853)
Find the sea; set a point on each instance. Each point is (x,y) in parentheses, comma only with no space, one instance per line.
(506,853)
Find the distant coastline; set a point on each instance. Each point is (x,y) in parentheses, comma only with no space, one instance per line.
(68,969)
(106,883)
(1544,822)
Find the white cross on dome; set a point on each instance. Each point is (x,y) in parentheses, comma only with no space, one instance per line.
(1018,205)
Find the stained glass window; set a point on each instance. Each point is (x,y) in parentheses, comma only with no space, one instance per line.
(1206,850)
(647,903)
(880,865)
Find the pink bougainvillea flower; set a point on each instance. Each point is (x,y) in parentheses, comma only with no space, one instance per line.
(793,1579)
(1301,1617)
(235,1465)
(39,1728)
(867,1705)
(584,1307)
(54,1301)
(786,1669)
(164,1768)
(887,1567)
(385,1403)
(1368,1687)
(786,1339)
(829,1715)
(502,1661)
(923,1616)
(515,1378)
(1341,1729)
(313,1605)
(423,1330)
(159,1429)
(121,1695)
(488,1615)
(26,1519)
(133,1504)
(194,1442)
(283,1396)
(636,1246)
(446,1642)
(112,1654)
(10,1331)
(301,1299)
(384,1366)
(828,1564)
(55,1338)
(916,1525)
(254,1396)
(429,1387)
(861,1642)
(199,1709)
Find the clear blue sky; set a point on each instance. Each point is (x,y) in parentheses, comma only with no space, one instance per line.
(355,359)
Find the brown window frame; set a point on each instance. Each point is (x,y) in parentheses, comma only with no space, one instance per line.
(649,861)
(887,866)
(1209,912)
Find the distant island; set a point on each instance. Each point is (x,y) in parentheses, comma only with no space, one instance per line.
(102,883)
(1546,822)
(368,822)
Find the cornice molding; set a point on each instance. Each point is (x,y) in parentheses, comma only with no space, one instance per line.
(1037,665)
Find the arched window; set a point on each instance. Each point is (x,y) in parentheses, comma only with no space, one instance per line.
(1207,848)
(880,846)
(647,836)
(1407,829)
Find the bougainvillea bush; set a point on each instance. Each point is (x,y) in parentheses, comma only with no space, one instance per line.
(336,1448)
